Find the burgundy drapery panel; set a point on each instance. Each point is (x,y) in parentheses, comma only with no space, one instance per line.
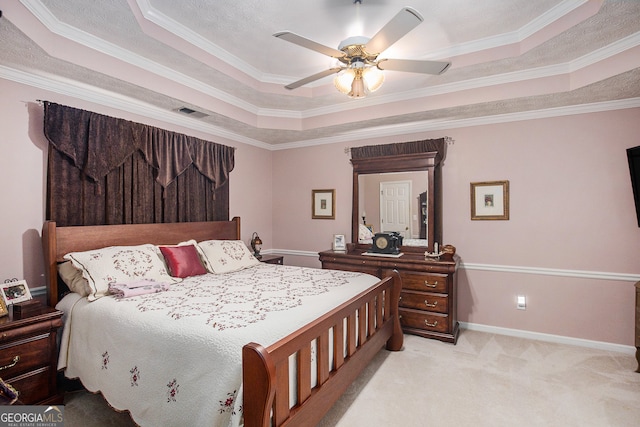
(105,170)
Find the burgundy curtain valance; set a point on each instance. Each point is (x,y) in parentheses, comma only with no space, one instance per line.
(97,144)
(425,146)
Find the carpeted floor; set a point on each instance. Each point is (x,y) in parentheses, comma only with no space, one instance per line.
(485,380)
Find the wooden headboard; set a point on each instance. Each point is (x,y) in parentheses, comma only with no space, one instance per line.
(59,241)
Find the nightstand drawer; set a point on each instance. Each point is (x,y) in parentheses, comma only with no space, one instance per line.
(424,320)
(273,259)
(24,355)
(424,282)
(33,387)
(424,301)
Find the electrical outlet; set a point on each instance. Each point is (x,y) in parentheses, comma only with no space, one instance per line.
(521,302)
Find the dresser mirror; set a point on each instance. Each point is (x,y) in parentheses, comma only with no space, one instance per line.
(404,193)
(398,192)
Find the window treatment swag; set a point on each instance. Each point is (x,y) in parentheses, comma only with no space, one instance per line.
(97,144)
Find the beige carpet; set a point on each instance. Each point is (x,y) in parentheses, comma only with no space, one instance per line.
(484,380)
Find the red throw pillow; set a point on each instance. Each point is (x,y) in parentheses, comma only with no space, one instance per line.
(183,261)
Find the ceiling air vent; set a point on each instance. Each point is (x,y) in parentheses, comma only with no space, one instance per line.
(192,113)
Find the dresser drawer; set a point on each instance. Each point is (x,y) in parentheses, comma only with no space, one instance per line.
(424,320)
(424,301)
(23,355)
(429,282)
(374,271)
(33,387)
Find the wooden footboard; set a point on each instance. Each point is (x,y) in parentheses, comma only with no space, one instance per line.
(365,323)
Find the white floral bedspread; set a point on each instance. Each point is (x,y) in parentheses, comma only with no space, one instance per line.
(174,358)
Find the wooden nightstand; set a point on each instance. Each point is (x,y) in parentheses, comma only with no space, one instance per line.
(273,259)
(29,355)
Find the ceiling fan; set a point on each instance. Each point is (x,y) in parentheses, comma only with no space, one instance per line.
(361,70)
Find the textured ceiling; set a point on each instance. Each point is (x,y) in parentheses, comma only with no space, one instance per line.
(513,58)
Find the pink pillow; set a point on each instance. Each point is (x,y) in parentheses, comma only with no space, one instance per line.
(183,261)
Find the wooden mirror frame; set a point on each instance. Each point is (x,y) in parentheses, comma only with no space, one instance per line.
(426,161)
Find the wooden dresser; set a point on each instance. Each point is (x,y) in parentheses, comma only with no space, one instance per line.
(29,355)
(428,297)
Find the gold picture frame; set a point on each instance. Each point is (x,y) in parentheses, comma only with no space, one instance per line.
(323,204)
(3,308)
(490,200)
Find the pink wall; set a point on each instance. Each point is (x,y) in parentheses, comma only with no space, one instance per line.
(570,245)
(23,162)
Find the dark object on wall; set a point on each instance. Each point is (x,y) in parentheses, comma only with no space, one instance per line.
(633,154)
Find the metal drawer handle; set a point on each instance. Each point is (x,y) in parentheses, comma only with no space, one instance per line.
(430,285)
(11,365)
(431,325)
(426,302)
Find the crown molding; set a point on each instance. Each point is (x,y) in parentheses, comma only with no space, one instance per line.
(114,100)
(44,15)
(436,125)
(185,33)
(510,38)
(110,99)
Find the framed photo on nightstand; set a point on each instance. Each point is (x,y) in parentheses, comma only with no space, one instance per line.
(3,308)
(15,291)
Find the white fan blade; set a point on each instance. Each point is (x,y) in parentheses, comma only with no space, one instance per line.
(312,78)
(406,20)
(309,44)
(414,66)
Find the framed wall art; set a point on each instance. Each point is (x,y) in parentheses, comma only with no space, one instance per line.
(490,200)
(323,204)
(15,291)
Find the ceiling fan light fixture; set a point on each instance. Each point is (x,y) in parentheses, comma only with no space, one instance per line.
(358,80)
(344,79)
(373,77)
(358,87)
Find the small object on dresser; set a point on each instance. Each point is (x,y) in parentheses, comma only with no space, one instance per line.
(387,243)
(26,308)
(449,249)
(433,255)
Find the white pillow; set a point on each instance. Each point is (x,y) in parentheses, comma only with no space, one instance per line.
(119,264)
(73,278)
(224,256)
(364,234)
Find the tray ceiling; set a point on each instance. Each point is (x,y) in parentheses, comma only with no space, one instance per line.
(510,60)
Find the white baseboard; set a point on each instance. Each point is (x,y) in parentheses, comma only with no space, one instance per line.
(600,345)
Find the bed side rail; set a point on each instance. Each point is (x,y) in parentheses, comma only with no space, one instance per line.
(346,338)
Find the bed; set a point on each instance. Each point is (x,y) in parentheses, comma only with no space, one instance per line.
(291,378)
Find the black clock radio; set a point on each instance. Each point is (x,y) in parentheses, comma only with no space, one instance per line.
(387,243)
